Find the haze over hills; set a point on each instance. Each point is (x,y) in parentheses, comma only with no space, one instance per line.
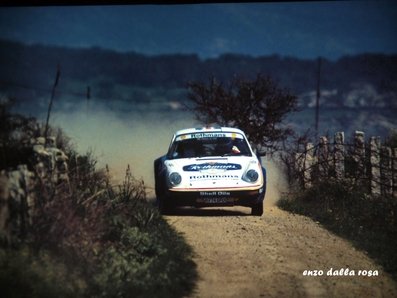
(128,82)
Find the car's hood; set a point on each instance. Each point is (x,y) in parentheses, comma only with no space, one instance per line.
(215,172)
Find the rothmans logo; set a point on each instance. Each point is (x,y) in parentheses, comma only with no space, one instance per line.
(214,166)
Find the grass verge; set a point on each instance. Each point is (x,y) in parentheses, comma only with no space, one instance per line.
(113,244)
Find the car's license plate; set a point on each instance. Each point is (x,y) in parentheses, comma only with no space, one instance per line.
(221,200)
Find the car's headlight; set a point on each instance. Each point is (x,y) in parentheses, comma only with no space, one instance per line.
(251,176)
(175,178)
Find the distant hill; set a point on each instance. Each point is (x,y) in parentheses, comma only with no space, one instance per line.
(352,88)
(364,80)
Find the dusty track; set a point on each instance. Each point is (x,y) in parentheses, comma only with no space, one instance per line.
(239,255)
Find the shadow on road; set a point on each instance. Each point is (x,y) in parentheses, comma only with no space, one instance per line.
(204,211)
(212,211)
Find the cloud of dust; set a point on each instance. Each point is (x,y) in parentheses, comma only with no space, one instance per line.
(276,182)
(118,140)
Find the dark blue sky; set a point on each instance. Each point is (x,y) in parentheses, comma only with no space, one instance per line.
(301,29)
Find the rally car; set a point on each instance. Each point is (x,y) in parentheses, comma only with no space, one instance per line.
(210,166)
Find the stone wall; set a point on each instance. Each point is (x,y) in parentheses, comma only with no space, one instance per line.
(21,190)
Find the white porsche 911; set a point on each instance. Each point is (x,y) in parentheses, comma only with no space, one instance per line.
(210,166)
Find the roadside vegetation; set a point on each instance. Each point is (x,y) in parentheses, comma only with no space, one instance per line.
(346,208)
(95,240)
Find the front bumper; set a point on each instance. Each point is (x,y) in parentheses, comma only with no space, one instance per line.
(215,197)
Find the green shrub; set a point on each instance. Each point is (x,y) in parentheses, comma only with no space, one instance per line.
(143,255)
(25,274)
(144,265)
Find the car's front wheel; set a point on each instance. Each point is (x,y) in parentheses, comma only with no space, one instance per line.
(257,209)
(164,207)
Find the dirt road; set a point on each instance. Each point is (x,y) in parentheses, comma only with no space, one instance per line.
(239,255)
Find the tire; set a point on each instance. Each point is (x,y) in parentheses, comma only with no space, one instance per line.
(164,208)
(158,185)
(257,209)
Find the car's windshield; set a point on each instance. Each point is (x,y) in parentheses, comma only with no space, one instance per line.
(207,145)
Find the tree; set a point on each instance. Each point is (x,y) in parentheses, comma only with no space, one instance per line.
(258,107)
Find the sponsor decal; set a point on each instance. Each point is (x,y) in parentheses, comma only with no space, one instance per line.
(212,166)
(213,177)
(214,193)
(207,135)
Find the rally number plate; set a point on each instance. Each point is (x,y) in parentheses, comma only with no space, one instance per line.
(220,200)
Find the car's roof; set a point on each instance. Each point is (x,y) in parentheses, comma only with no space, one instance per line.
(208,129)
